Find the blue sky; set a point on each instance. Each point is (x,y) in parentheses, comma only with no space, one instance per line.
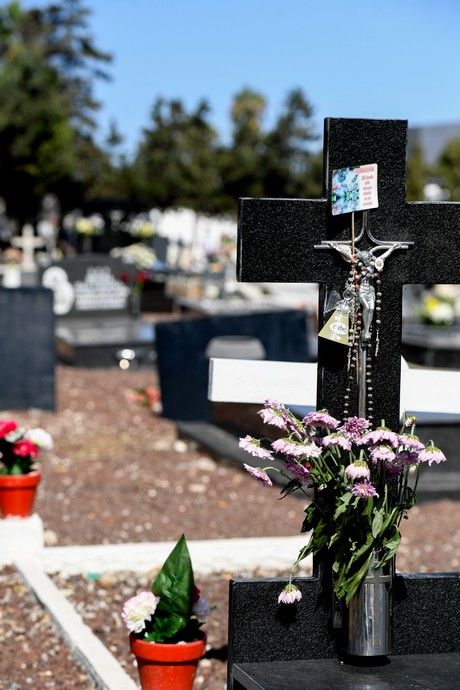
(355,58)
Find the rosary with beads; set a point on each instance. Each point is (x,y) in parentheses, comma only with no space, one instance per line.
(355,321)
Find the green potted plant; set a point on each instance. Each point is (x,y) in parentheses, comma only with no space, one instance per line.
(19,474)
(164,625)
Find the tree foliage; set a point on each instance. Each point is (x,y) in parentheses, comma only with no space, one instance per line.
(448,169)
(48,64)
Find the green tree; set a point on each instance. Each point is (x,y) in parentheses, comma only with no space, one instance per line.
(241,162)
(448,168)
(46,71)
(417,174)
(288,162)
(176,164)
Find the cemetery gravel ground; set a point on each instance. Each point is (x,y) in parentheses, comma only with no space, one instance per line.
(118,473)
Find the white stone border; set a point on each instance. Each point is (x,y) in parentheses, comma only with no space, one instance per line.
(245,555)
(100,664)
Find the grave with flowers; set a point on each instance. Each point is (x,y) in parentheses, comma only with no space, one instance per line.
(355,460)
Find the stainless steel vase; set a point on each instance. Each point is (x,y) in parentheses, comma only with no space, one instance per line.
(368,616)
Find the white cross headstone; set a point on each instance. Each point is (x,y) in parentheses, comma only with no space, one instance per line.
(28,243)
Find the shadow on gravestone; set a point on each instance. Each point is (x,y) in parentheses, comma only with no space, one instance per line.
(183,363)
(27,351)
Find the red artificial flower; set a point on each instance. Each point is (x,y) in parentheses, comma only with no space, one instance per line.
(7,425)
(196,594)
(25,449)
(124,277)
(141,277)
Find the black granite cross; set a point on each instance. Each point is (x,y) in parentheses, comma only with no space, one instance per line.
(276,239)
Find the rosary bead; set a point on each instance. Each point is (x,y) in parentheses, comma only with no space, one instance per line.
(378,308)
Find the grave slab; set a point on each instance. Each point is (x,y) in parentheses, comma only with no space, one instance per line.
(418,672)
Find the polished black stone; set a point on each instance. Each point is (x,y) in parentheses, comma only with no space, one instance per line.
(426,615)
(418,672)
(27,352)
(183,364)
(277,236)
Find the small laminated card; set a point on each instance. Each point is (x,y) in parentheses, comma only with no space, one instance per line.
(354,189)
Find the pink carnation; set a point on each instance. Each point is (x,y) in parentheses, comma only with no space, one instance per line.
(25,449)
(364,490)
(6,426)
(252,446)
(259,474)
(321,419)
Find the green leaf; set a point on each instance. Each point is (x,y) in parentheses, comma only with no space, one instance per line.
(174,583)
(377,523)
(165,627)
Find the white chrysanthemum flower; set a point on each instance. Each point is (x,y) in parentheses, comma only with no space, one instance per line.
(40,437)
(138,610)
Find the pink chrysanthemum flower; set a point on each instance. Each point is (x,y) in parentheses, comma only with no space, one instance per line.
(298,472)
(338,440)
(274,413)
(297,450)
(138,610)
(290,594)
(383,452)
(382,435)
(259,473)
(411,442)
(364,490)
(321,419)
(431,454)
(357,470)
(354,428)
(252,446)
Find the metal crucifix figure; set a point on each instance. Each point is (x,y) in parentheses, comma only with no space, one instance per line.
(362,300)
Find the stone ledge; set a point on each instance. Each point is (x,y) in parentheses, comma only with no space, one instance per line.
(89,651)
(20,535)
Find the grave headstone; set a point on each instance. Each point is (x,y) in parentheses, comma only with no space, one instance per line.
(399,242)
(27,352)
(92,302)
(183,363)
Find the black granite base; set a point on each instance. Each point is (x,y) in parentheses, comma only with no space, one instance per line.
(426,620)
(420,672)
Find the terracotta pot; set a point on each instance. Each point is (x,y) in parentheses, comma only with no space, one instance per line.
(167,666)
(17,493)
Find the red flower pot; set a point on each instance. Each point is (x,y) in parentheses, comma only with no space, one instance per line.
(167,666)
(17,493)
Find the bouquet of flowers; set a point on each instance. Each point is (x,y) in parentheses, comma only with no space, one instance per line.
(441,305)
(174,610)
(140,227)
(90,227)
(20,447)
(358,480)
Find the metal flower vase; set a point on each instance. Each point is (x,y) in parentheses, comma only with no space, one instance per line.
(369,615)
